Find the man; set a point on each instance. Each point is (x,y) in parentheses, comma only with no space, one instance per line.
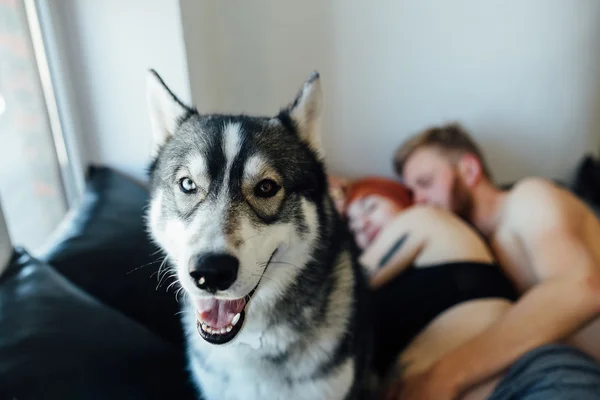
(546,240)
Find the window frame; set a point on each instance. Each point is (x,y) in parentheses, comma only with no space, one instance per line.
(52,74)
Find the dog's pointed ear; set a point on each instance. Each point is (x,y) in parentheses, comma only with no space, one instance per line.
(305,112)
(166,110)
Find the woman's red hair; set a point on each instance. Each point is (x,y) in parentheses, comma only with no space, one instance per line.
(388,188)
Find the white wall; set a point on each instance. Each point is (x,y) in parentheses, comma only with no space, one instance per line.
(107,47)
(523,76)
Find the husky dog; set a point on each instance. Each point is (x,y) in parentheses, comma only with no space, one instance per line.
(275,300)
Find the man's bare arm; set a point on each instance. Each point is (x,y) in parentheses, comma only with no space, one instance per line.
(566,299)
(549,312)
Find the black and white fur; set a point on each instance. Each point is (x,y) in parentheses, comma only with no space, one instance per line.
(304,335)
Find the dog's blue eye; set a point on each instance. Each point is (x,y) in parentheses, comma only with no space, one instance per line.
(266,188)
(187,185)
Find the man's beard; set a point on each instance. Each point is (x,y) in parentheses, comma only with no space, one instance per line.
(461,200)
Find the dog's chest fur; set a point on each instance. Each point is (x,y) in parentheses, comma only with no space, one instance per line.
(245,372)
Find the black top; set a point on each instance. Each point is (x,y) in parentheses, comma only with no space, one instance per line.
(409,302)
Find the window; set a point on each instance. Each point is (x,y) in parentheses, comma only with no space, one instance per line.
(33,182)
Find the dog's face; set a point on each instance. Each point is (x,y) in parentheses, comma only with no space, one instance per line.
(235,201)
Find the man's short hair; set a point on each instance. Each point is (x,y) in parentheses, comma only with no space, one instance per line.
(451,139)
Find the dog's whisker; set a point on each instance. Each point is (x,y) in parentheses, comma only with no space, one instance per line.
(177,294)
(263,277)
(166,278)
(161,266)
(168,273)
(253,236)
(145,265)
(156,252)
(171,285)
(172,275)
(264,264)
(183,293)
(159,270)
(284,271)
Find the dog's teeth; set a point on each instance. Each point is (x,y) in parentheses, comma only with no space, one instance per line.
(223,330)
(235,319)
(209,329)
(229,328)
(204,326)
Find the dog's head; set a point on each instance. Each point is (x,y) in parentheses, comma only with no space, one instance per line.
(237,201)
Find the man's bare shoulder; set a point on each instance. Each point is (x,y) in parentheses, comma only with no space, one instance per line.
(531,188)
(536,202)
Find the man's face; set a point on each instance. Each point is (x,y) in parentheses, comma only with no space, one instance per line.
(435,180)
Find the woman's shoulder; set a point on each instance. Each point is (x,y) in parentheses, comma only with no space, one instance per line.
(420,211)
(419,217)
(432,216)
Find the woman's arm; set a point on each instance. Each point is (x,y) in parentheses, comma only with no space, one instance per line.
(392,251)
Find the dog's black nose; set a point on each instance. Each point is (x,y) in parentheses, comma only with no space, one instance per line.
(214,271)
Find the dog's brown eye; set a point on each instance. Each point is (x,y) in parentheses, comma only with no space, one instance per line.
(266,188)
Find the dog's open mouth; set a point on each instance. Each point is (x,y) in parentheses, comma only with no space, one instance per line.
(219,321)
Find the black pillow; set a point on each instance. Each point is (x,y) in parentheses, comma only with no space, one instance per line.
(56,342)
(587,182)
(103,248)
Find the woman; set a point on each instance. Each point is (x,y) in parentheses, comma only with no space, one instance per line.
(435,283)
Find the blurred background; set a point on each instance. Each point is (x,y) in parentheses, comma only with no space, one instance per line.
(523,77)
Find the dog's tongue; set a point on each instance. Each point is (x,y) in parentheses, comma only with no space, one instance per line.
(219,313)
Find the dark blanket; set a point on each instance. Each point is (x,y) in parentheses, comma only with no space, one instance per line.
(552,372)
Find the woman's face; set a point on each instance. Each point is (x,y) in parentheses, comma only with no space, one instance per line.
(368,215)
